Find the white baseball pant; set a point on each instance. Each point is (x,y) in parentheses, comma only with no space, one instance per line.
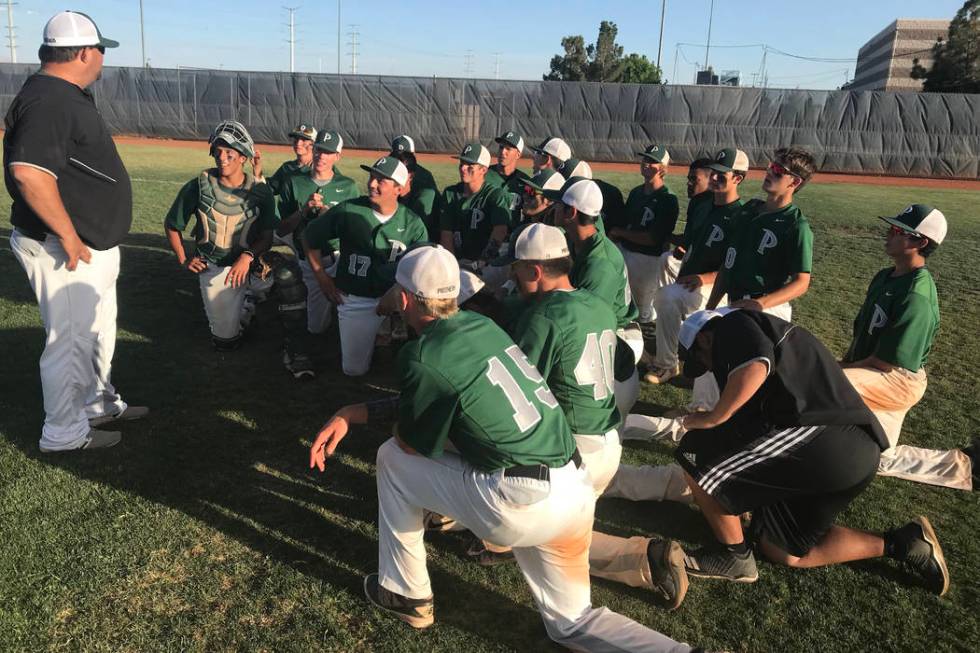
(222,303)
(706,392)
(672,305)
(78,310)
(890,395)
(548,523)
(359,322)
(647,275)
(319,308)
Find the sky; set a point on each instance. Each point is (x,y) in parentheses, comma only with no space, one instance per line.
(509,40)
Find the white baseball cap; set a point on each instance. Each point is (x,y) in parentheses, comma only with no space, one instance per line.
(696,321)
(556,147)
(73,29)
(430,272)
(475,153)
(579,193)
(575,168)
(546,179)
(921,219)
(540,242)
(403,143)
(390,168)
(469,285)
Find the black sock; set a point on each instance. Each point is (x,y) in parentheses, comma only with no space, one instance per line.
(741,549)
(894,546)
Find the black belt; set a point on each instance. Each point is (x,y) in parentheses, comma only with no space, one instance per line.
(539,472)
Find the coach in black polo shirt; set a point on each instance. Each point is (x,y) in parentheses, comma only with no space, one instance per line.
(791,442)
(72,205)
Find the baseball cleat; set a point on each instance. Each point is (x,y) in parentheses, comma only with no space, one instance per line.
(667,572)
(721,563)
(299,365)
(433,521)
(660,375)
(131,413)
(417,613)
(478,551)
(918,547)
(94,439)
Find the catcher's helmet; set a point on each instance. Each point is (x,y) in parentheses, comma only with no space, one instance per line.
(234,135)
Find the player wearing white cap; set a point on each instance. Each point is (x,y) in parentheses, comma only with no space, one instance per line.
(72,205)
(551,153)
(893,335)
(420,193)
(613,206)
(535,207)
(510,476)
(371,233)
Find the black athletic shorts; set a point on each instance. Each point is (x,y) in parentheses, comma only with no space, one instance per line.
(795,481)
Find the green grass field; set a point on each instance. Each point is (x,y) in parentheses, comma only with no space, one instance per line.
(205,531)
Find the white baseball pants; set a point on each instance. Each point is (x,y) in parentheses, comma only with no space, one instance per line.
(359,322)
(647,275)
(222,303)
(319,308)
(672,305)
(547,522)
(78,310)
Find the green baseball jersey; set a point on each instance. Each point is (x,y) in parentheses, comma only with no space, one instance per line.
(766,249)
(513,185)
(599,268)
(613,206)
(695,213)
(369,245)
(898,320)
(286,170)
(655,213)
(708,240)
(464,380)
(296,191)
(227,220)
(471,219)
(423,199)
(570,337)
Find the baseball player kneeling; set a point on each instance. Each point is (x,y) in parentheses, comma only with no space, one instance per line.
(371,233)
(235,217)
(790,441)
(510,476)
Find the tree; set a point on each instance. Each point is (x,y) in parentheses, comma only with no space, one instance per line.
(602,61)
(956,60)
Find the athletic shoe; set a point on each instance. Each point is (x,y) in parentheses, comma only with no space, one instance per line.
(298,364)
(433,521)
(94,439)
(721,563)
(131,413)
(417,613)
(485,557)
(660,375)
(918,547)
(666,558)
(973,453)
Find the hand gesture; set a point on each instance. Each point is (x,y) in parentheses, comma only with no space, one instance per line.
(238,274)
(314,204)
(329,288)
(76,251)
(196,264)
(327,440)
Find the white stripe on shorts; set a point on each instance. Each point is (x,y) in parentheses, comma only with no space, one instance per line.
(769,448)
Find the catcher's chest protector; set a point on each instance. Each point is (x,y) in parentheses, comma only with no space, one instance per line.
(225,218)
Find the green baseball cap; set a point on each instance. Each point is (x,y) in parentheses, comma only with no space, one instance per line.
(920,220)
(511,138)
(656,153)
(304,131)
(475,153)
(402,143)
(575,168)
(546,179)
(330,142)
(580,193)
(730,160)
(390,168)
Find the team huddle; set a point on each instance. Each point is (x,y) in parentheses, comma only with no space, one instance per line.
(532,307)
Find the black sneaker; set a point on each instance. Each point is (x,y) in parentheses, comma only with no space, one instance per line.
(918,547)
(666,558)
(298,364)
(481,555)
(721,563)
(417,613)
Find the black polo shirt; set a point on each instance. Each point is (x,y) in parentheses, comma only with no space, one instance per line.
(805,386)
(54,125)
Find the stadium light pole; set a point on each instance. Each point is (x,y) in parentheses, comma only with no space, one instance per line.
(338,37)
(707,46)
(142,35)
(660,46)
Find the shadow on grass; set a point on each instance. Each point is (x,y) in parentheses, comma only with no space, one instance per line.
(226,441)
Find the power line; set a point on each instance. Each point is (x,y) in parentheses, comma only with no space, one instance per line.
(353,34)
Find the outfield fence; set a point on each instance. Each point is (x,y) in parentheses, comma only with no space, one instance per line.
(903,134)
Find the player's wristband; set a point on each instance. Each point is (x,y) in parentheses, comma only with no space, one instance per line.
(249,253)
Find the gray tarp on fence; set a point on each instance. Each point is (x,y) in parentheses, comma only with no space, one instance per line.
(909,134)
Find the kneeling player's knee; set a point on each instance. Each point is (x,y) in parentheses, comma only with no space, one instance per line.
(777,555)
(226,344)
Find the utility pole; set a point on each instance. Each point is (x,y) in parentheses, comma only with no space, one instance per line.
(11,31)
(468,63)
(496,65)
(707,46)
(353,34)
(292,38)
(142,35)
(338,37)
(660,46)
(677,51)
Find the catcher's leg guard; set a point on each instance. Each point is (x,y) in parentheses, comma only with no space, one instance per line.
(291,293)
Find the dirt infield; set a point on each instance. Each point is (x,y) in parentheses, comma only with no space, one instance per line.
(821,178)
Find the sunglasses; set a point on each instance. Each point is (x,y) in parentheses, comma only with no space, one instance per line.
(100,48)
(898,231)
(779,170)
